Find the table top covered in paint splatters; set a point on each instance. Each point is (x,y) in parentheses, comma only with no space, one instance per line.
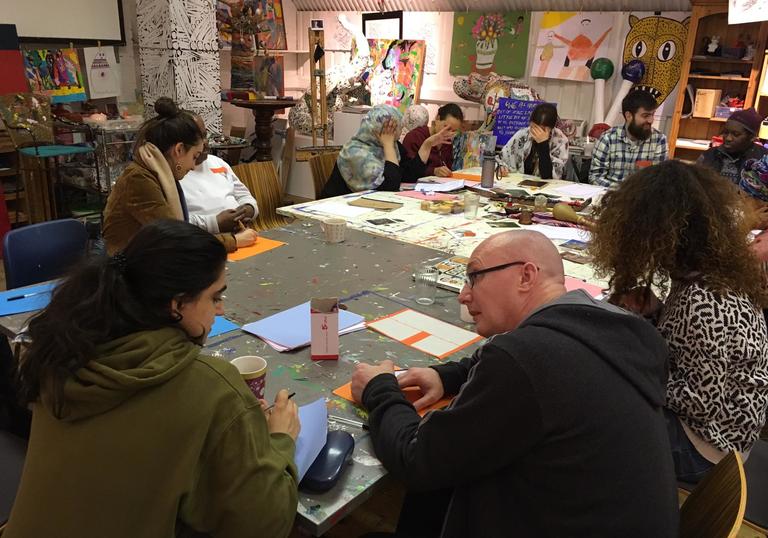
(372,276)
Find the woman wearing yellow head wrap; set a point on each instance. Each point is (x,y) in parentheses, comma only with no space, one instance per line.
(374,159)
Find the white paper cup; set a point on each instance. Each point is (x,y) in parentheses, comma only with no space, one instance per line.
(464,314)
(335,230)
(253,370)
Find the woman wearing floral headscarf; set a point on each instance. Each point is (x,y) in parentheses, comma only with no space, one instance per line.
(374,159)
(754,182)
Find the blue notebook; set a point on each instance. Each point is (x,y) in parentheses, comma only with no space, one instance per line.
(290,328)
(28,299)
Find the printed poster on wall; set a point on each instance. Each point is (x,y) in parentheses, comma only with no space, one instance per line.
(568,42)
(242,20)
(102,72)
(56,73)
(485,42)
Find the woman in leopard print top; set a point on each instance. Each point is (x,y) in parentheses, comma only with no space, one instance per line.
(684,225)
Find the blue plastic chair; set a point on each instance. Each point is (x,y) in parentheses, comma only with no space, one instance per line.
(43,251)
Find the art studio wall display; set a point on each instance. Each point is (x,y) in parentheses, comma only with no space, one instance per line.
(424,25)
(56,73)
(386,25)
(744,11)
(567,42)
(263,74)
(102,72)
(179,56)
(659,42)
(486,42)
(235,20)
(396,72)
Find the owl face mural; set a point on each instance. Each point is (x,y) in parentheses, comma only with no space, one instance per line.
(659,42)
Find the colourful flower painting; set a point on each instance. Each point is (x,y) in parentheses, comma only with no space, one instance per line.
(56,73)
(490,42)
(396,72)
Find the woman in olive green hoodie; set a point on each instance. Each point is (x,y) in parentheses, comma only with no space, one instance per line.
(134,432)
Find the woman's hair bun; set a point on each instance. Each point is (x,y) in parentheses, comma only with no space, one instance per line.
(166,108)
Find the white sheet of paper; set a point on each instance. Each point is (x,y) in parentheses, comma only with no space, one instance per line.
(561,232)
(580,190)
(440,187)
(313,434)
(339,209)
(442,337)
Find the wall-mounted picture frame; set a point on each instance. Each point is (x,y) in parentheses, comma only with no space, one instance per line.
(384,25)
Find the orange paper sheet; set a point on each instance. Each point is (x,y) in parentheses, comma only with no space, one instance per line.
(411,393)
(262,245)
(462,175)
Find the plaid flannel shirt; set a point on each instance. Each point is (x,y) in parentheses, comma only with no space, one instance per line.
(615,155)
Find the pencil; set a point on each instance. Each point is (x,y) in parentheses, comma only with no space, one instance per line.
(291,395)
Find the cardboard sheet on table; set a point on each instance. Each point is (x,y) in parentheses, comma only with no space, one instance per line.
(382,205)
(425,333)
(28,299)
(432,197)
(222,325)
(290,328)
(411,393)
(262,245)
(572,283)
(312,436)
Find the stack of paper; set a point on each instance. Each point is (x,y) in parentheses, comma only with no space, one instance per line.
(448,186)
(289,329)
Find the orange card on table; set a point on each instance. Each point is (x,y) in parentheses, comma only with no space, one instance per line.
(464,175)
(411,393)
(262,245)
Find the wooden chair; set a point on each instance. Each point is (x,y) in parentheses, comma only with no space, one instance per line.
(233,155)
(715,508)
(261,179)
(322,167)
(756,469)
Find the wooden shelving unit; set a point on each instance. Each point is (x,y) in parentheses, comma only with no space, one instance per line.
(740,77)
(12,180)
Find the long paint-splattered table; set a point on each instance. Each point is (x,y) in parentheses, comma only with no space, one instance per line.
(372,275)
(450,233)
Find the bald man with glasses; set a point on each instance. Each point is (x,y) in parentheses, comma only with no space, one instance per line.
(557,426)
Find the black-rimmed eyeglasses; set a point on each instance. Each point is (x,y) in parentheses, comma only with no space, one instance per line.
(470,279)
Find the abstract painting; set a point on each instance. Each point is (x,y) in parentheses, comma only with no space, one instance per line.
(397,68)
(568,42)
(485,42)
(269,75)
(237,18)
(56,73)
(103,72)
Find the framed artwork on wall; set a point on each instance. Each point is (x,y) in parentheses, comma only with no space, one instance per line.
(386,25)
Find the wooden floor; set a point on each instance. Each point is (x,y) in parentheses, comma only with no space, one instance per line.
(378,514)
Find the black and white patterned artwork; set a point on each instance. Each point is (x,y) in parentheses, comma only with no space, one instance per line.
(179,56)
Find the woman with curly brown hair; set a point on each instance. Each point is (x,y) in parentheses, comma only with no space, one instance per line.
(682,228)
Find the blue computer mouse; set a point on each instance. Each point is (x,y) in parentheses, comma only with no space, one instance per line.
(329,464)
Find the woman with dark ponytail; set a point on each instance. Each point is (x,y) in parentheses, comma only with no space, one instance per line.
(134,432)
(166,148)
